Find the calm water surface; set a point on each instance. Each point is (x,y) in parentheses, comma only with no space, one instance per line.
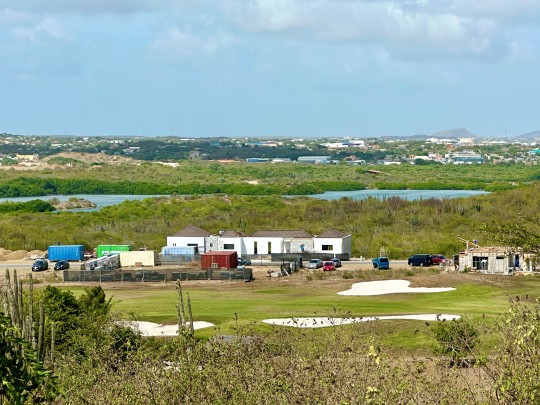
(102,200)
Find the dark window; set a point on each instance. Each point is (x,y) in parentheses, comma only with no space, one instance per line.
(327,247)
(228,246)
(479,262)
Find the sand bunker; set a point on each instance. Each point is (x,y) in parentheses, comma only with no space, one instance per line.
(321,322)
(154,329)
(389,287)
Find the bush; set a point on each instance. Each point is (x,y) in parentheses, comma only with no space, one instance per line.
(456,340)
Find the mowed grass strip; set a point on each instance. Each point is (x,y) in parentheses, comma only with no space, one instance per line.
(233,302)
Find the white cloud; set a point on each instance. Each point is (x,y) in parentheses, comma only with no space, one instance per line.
(421,27)
(179,44)
(47,28)
(90,7)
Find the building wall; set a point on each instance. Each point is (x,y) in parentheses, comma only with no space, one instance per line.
(276,245)
(338,245)
(183,241)
(237,243)
(487,262)
(265,245)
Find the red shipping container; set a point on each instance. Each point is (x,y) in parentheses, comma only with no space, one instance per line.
(219,259)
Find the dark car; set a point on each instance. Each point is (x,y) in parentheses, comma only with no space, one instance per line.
(244,262)
(61,265)
(438,259)
(40,265)
(336,261)
(422,260)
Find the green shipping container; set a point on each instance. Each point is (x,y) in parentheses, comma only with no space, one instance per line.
(103,250)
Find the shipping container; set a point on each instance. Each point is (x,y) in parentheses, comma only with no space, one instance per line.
(227,260)
(111,262)
(138,258)
(65,252)
(179,250)
(103,250)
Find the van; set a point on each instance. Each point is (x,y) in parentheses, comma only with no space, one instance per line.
(421,260)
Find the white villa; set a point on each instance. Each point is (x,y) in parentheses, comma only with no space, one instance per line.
(332,241)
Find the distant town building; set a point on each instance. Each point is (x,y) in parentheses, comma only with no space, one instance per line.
(314,159)
(466,157)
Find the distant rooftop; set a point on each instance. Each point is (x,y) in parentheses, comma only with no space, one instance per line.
(190,231)
(282,234)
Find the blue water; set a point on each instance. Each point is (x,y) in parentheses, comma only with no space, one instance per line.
(404,194)
(104,200)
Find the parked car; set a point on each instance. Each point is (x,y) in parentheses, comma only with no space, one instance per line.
(61,265)
(244,262)
(329,266)
(381,263)
(40,265)
(315,264)
(421,260)
(438,259)
(336,261)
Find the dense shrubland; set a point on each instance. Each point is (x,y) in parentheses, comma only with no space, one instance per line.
(95,361)
(402,227)
(232,178)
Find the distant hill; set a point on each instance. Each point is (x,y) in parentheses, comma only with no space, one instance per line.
(529,136)
(454,133)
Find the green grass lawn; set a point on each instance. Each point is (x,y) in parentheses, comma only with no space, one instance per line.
(236,304)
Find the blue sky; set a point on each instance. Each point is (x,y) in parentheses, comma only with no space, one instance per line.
(292,68)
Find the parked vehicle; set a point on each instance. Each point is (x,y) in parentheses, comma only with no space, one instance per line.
(315,264)
(61,265)
(244,262)
(438,259)
(336,261)
(40,265)
(421,260)
(381,263)
(329,266)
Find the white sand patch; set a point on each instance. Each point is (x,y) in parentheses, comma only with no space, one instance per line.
(389,287)
(155,329)
(321,322)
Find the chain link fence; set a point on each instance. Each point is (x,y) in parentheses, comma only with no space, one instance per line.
(153,275)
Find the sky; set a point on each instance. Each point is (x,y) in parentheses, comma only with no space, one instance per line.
(266,68)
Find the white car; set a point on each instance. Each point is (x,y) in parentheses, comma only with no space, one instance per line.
(315,264)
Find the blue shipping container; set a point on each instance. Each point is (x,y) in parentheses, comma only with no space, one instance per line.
(179,250)
(65,252)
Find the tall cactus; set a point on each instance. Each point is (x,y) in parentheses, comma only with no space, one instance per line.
(184,325)
(12,301)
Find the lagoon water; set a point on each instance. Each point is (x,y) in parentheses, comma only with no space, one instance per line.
(404,194)
(104,200)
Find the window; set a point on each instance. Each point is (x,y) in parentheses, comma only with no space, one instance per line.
(327,247)
(228,246)
(480,262)
(269,247)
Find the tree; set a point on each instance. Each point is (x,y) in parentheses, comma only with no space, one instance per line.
(93,301)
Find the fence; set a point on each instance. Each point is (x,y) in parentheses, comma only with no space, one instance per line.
(143,275)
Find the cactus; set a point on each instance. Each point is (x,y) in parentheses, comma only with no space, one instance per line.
(12,302)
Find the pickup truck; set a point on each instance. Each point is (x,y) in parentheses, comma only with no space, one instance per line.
(381,263)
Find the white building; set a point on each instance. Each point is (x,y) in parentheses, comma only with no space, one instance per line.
(190,236)
(263,242)
(332,241)
(488,260)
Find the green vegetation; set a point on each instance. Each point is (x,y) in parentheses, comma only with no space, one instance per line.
(29,206)
(242,178)
(97,360)
(403,227)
